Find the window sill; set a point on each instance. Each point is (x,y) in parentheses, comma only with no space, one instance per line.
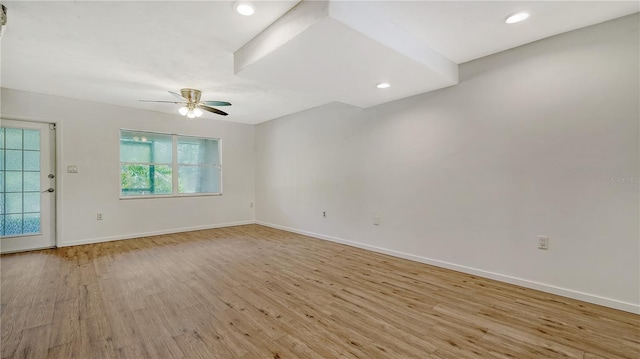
(183,195)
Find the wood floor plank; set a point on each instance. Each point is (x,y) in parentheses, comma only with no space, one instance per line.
(134,350)
(252,292)
(163,347)
(34,343)
(202,344)
(67,326)
(67,351)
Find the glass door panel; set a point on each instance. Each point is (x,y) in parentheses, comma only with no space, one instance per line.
(21,190)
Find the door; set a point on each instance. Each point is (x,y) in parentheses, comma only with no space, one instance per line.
(27,184)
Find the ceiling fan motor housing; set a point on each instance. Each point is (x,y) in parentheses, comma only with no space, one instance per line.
(192,95)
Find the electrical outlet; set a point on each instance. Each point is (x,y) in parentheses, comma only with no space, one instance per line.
(99,216)
(72,169)
(543,242)
(324,214)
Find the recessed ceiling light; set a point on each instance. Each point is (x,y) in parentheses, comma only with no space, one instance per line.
(245,8)
(383,85)
(517,17)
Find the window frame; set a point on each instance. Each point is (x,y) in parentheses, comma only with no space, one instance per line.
(174,167)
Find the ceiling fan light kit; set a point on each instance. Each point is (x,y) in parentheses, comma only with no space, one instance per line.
(192,107)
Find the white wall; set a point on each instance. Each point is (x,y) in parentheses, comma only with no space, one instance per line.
(538,140)
(89,135)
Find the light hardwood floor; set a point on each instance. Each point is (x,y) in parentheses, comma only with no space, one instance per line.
(256,292)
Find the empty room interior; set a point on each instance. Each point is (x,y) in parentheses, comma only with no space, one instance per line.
(320,179)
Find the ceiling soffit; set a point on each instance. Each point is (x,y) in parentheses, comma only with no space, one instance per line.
(340,51)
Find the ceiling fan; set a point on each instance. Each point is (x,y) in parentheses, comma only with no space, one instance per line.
(191,105)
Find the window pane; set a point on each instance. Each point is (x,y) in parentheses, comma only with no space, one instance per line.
(13,138)
(32,202)
(198,179)
(13,159)
(13,202)
(146,147)
(12,224)
(135,152)
(163,182)
(146,179)
(135,177)
(1,203)
(31,161)
(1,137)
(13,181)
(1,225)
(198,151)
(31,181)
(162,151)
(32,140)
(31,223)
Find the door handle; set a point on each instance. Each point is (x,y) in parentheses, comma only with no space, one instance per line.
(48,190)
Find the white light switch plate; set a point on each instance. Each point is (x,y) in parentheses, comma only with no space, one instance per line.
(543,242)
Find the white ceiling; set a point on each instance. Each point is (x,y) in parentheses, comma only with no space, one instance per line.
(119,52)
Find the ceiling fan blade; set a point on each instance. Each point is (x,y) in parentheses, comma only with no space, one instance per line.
(214,110)
(216,103)
(178,96)
(161,101)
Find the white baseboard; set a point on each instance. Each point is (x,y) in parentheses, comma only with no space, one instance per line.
(585,297)
(154,233)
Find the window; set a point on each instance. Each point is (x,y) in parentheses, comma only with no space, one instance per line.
(156,164)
